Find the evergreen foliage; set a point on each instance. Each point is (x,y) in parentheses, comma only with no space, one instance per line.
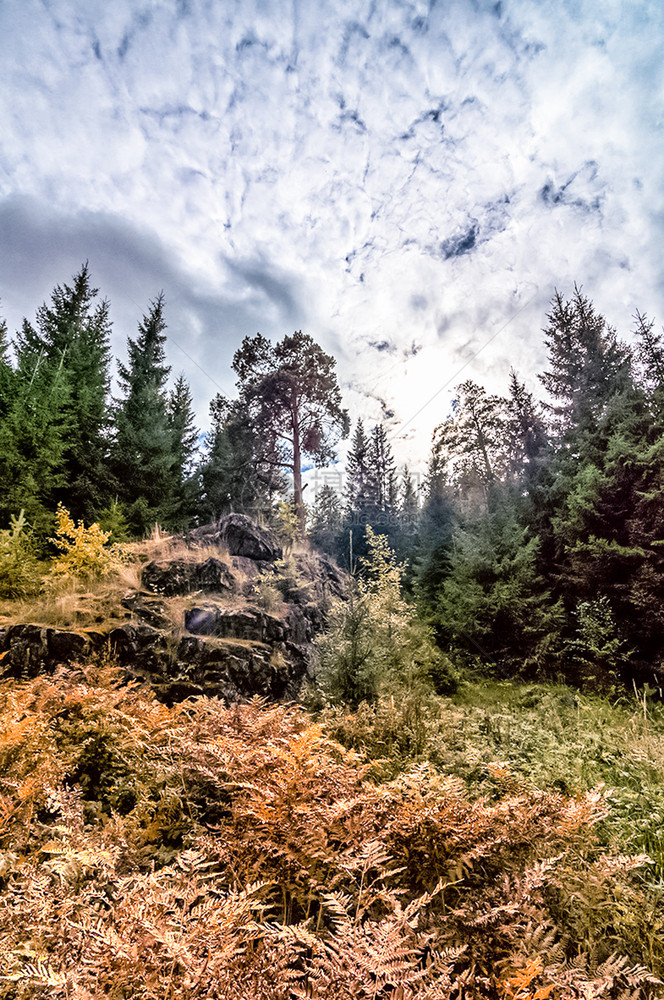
(289,392)
(145,460)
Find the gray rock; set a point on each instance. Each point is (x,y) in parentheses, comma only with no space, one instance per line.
(243,623)
(243,537)
(181,576)
(147,610)
(240,535)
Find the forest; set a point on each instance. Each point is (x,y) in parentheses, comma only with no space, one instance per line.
(465,797)
(534,545)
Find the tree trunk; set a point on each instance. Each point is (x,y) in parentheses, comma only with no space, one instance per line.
(297,465)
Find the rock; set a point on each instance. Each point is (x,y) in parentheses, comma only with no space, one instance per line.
(243,623)
(181,576)
(29,650)
(144,648)
(146,610)
(243,537)
(240,535)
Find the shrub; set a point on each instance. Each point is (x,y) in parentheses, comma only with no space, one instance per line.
(113,520)
(86,554)
(375,642)
(286,524)
(19,569)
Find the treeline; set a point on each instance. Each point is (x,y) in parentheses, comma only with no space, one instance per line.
(537,540)
(539,544)
(138,459)
(64,439)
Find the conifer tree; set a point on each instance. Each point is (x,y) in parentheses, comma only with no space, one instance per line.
(145,458)
(233,474)
(382,484)
(6,371)
(358,473)
(70,345)
(586,366)
(184,444)
(291,393)
(326,520)
(469,447)
(526,432)
(32,439)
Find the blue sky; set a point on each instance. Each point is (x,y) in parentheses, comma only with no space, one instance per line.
(406,181)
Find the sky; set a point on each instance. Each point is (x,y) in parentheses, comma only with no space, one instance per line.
(406,181)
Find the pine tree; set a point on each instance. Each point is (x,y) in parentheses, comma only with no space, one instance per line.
(291,394)
(145,459)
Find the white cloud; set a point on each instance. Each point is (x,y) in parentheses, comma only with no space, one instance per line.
(402,172)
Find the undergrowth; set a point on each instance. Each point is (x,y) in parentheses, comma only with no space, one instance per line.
(199,851)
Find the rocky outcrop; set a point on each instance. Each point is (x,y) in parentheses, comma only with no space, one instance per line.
(29,650)
(242,623)
(241,536)
(182,576)
(233,669)
(232,649)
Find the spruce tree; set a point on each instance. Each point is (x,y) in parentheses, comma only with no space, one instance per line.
(6,371)
(358,475)
(144,455)
(33,438)
(184,435)
(326,520)
(234,472)
(586,366)
(70,345)
(382,485)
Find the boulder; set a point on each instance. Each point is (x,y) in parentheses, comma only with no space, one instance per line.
(182,576)
(232,623)
(241,536)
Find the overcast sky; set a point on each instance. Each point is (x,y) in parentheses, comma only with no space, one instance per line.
(406,181)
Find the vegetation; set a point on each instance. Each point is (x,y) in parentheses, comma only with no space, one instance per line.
(203,851)
(447,818)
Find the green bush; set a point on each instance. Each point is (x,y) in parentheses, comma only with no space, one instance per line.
(375,642)
(19,569)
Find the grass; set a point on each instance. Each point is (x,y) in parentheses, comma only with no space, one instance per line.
(535,736)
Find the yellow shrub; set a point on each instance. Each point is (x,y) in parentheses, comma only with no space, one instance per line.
(85,552)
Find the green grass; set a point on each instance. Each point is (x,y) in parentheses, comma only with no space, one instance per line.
(544,736)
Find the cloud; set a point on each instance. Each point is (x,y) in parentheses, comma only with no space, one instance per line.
(415,173)
(131,266)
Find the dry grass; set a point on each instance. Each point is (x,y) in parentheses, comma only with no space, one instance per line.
(164,548)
